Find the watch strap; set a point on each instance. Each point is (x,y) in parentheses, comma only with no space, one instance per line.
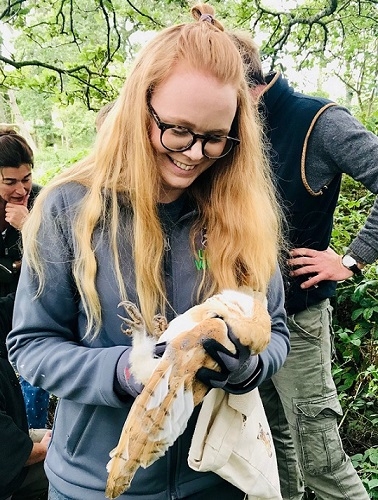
(356,270)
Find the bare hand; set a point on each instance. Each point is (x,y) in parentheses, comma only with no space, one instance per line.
(45,441)
(16,215)
(319,265)
(39,450)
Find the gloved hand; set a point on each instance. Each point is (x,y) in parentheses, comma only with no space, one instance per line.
(237,369)
(160,349)
(124,381)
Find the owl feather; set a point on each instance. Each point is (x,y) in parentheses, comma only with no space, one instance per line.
(159,415)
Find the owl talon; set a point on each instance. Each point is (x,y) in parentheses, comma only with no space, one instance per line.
(160,324)
(135,323)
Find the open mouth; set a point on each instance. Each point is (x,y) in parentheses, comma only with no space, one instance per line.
(182,166)
(17,201)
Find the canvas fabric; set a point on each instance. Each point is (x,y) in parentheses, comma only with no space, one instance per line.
(232,438)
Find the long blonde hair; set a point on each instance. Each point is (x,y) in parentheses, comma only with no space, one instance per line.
(237,204)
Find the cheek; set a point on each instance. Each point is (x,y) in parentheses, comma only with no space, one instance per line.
(5,192)
(155,140)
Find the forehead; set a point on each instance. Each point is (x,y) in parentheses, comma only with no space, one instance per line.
(196,97)
(16,173)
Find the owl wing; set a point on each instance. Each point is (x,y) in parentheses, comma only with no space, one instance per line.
(159,415)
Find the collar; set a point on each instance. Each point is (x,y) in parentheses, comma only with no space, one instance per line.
(276,88)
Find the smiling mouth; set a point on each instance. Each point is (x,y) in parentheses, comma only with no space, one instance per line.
(182,166)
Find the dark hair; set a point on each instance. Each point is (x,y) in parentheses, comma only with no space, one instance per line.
(14,150)
(250,54)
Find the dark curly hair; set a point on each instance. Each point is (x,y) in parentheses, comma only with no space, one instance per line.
(14,150)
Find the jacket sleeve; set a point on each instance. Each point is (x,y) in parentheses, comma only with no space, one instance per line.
(16,444)
(17,447)
(274,356)
(339,143)
(47,343)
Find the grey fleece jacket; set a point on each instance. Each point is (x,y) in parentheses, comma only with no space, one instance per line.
(339,143)
(48,347)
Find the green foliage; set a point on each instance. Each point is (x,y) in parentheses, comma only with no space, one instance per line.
(52,161)
(77,125)
(356,343)
(367,465)
(80,50)
(354,204)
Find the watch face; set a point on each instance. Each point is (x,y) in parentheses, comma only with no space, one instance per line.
(348,261)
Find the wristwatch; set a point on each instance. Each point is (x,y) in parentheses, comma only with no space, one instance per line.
(350,263)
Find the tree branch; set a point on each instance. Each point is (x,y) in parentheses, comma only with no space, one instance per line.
(144,15)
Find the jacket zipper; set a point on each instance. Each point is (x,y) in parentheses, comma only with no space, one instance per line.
(172,452)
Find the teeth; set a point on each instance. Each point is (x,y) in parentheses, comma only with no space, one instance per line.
(182,165)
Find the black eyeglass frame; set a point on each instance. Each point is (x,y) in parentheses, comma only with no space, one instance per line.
(162,126)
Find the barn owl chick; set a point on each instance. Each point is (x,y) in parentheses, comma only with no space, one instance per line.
(159,415)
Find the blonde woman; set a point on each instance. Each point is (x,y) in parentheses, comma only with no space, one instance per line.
(174,203)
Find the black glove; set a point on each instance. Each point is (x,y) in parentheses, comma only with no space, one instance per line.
(237,369)
(160,349)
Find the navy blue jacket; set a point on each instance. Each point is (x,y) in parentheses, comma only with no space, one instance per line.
(290,117)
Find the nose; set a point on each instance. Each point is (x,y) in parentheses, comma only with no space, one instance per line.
(195,152)
(20,189)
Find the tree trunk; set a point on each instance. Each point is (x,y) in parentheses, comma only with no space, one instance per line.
(19,120)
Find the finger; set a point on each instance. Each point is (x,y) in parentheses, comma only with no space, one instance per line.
(311,282)
(302,252)
(229,362)
(300,261)
(301,271)
(242,351)
(11,205)
(26,199)
(220,354)
(212,378)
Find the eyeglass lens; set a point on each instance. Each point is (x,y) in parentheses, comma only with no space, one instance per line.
(180,138)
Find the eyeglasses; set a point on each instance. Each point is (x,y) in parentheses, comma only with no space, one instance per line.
(176,139)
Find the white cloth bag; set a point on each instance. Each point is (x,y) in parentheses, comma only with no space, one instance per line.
(232,438)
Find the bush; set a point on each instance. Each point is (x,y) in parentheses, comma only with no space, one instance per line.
(356,344)
(51,161)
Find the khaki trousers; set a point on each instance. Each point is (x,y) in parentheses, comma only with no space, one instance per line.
(307,441)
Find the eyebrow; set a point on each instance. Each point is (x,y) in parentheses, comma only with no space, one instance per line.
(15,179)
